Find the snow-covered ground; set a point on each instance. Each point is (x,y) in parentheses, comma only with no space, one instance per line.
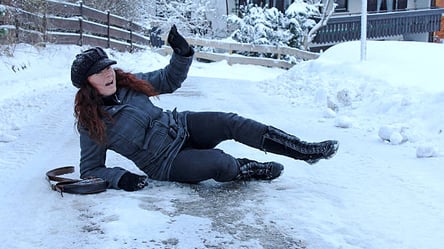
(383,190)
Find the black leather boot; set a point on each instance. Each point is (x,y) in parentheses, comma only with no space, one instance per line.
(252,170)
(282,143)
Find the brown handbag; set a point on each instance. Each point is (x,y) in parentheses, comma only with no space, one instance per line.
(74,186)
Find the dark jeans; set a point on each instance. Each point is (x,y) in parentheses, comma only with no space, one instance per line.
(199,160)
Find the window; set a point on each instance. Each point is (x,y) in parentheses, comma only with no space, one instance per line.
(341,5)
(279,4)
(386,5)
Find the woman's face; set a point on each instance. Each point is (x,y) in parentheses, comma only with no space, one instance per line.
(104,81)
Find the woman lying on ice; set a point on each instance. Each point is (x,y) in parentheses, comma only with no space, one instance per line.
(114,111)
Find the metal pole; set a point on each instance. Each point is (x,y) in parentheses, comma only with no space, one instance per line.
(364,30)
(226,7)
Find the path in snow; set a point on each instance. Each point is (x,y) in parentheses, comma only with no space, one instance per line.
(351,201)
(221,215)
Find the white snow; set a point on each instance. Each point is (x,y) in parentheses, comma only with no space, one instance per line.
(384,188)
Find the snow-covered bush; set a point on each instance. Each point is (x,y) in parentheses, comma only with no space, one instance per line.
(260,26)
(3,30)
(2,10)
(269,26)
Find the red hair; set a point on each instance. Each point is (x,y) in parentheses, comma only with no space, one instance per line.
(88,104)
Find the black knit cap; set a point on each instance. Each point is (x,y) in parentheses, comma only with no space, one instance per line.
(87,63)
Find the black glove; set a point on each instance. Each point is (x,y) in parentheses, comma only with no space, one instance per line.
(132,182)
(178,43)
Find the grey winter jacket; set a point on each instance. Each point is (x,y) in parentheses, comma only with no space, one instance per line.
(140,131)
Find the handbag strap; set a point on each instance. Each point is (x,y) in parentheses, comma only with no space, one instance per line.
(74,186)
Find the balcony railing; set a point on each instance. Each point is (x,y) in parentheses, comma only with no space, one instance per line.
(342,28)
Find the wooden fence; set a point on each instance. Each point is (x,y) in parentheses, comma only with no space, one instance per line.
(67,23)
(226,51)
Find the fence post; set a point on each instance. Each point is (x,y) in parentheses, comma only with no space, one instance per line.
(131,35)
(45,23)
(81,24)
(45,28)
(108,28)
(81,31)
(17,27)
(81,8)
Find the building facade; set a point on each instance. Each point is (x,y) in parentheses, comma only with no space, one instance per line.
(387,19)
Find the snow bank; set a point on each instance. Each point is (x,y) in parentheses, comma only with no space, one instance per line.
(395,86)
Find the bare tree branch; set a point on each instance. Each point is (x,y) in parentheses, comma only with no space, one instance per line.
(328,8)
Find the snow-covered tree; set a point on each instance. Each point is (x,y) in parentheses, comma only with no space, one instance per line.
(260,25)
(295,28)
(188,15)
(301,19)
(125,8)
(28,5)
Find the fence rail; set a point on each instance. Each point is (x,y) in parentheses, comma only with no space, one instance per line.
(67,23)
(229,48)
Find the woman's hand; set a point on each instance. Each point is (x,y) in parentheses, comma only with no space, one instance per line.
(132,182)
(178,43)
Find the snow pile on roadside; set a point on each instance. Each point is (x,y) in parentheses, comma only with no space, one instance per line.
(395,92)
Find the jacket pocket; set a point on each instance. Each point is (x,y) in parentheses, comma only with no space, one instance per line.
(158,139)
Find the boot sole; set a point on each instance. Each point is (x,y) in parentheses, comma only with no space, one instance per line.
(335,150)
